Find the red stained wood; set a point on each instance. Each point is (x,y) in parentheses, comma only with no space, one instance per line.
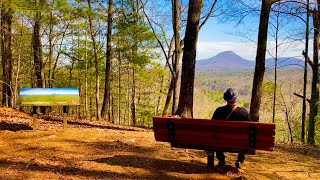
(232,136)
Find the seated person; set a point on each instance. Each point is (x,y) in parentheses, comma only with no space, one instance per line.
(231,112)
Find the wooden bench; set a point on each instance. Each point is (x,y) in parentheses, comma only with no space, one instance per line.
(212,135)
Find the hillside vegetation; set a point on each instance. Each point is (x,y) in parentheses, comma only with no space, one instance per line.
(210,85)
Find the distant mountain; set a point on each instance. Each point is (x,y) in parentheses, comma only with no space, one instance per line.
(229,60)
(285,62)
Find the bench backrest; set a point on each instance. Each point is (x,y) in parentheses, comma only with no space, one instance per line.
(231,136)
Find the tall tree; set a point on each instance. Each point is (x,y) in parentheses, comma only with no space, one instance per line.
(305,76)
(6,53)
(314,101)
(276,29)
(106,99)
(176,43)
(260,59)
(167,54)
(135,10)
(96,60)
(37,46)
(177,52)
(185,107)
(51,43)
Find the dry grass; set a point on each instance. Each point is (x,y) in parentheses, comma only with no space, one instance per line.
(98,150)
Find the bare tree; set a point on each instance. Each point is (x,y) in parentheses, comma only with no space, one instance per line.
(314,101)
(96,60)
(177,51)
(305,77)
(37,45)
(185,107)
(260,59)
(6,53)
(106,99)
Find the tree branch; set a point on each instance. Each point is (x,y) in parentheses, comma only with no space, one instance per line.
(208,15)
(308,58)
(300,96)
(157,38)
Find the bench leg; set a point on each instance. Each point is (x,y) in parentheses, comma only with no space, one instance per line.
(210,159)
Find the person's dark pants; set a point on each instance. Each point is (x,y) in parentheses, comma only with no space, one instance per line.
(221,157)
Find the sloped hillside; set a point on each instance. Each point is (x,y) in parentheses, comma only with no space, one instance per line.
(99,150)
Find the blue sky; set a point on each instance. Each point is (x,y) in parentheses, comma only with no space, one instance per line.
(216,37)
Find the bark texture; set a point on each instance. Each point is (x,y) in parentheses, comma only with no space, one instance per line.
(106,100)
(260,60)
(6,54)
(314,102)
(185,107)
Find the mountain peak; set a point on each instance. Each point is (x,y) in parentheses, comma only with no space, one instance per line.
(229,56)
(229,60)
(226,60)
(227,52)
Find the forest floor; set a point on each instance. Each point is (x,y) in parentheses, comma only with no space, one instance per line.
(99,150)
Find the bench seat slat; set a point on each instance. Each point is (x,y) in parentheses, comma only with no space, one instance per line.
(227,143)
(212,135)
(232,136)
(219,130)
(223,143)
(215,127)
(161,121)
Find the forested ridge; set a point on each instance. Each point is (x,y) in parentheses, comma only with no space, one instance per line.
(129,59)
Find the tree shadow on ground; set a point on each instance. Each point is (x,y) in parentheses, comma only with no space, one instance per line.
(307,150)
(153,164)
(75,171)
(89,125)
(14,126)
(112,146)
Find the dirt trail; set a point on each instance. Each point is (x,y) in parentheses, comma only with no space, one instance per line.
(98,150)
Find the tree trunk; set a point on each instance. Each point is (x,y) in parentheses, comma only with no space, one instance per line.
(314,102)
(106,101)
(51,46)
(260,60)
(305,78)
(96,62)
(277,26)
(169,96)
(133,98)
(157,107)
(119,86)
(128,98)
(37,47)
(135,10)
(16,91)
(112,109)
(6,54)
(86,109)
(288,113)
(185,107)
(177,53)
(70,72)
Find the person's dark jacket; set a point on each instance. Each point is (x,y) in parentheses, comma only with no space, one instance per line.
(239,114)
